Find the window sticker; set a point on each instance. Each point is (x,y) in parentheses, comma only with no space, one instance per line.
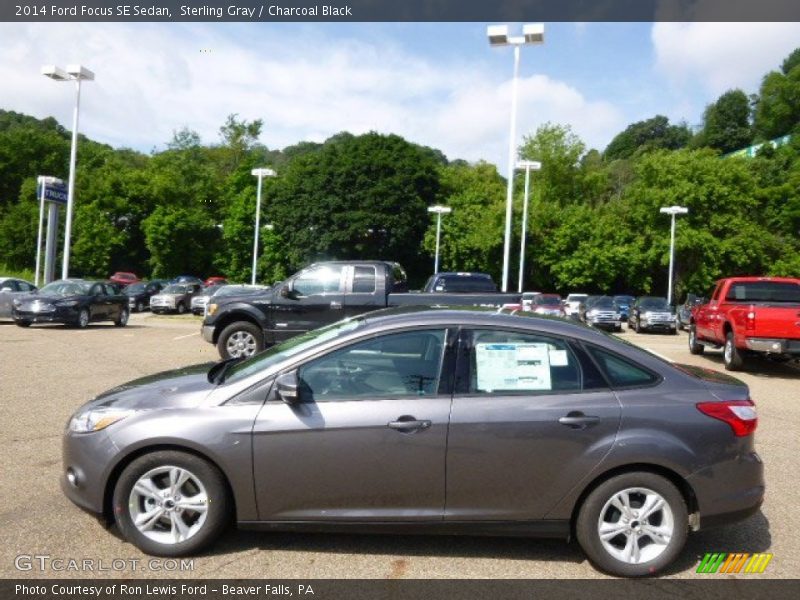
(558,358)
(512,367)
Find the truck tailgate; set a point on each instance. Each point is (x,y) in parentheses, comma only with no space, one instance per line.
(776,322)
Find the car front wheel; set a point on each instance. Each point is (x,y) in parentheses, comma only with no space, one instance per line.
(171,503)
(240,340)
(694,346)
(83,318)
(122,319)
(633,525)
(181,308)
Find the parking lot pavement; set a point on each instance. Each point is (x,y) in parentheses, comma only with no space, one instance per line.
(46,372)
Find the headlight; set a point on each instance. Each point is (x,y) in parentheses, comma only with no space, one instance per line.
(95,419)
(648,315)
(592,313)
(67,303)
(211,309)
(17,302)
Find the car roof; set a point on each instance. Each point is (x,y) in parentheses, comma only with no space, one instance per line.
(479,316)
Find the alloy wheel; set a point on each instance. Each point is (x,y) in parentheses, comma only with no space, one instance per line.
(240,344)
(168,504)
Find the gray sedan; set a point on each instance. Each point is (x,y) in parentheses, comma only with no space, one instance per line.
(425,420)
(11,288)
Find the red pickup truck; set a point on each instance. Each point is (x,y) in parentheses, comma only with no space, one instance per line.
(749,315)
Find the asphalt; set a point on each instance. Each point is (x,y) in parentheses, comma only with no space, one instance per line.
(46,372)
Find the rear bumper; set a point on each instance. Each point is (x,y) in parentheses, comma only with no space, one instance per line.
(773,345)
(730,491)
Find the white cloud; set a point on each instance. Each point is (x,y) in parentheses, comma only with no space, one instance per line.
(153,79)
(721,56)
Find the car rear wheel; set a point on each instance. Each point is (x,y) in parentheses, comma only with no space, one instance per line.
(694,346)
(122,319)
(730,353)
(171,503)
(240,340)
(140,306)
(633,525)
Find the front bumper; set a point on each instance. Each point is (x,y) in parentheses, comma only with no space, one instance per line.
(773,346)
(729,491)
(59,314)
(663,325)
(207,331)
(89,457)
(606,323)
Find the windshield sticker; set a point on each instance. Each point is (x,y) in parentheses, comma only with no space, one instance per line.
(513,367)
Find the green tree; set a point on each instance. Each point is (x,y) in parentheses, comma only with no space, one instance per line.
(560,151)
(777,111)
(181,240)
(645,136)
(726,123)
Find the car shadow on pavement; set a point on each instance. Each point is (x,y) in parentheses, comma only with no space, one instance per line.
(759,366)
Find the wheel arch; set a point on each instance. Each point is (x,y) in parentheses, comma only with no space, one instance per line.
(235,317)
(670,475)
(116,472)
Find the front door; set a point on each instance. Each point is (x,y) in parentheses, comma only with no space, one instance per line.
(366,441)
(531,417)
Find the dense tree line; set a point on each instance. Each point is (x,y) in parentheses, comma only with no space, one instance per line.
(594,221)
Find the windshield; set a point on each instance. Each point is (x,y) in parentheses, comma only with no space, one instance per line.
(604,303)
(547,301)
(65,288)
(175,289)
(624,300)
(764,291)
(654,304)
(276,354)
(134,288)
(576,297)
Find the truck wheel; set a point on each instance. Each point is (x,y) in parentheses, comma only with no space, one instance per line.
(694,346)
(731,355)
(240,340)
(181,308)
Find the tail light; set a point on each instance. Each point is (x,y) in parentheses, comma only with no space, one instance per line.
(739,414)
(750,320)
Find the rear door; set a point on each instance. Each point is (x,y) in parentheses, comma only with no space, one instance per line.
(316,298)
(8,291)
(362,290)
(531,417)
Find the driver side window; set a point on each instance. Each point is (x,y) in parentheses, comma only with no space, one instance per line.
(318,280)
(389,366)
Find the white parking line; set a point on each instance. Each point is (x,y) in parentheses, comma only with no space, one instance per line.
(181,337)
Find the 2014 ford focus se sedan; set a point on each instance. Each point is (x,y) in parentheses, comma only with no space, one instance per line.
(426,421)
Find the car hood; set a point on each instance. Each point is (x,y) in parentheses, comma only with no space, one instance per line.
(170,295)
(47,297)
(180,388)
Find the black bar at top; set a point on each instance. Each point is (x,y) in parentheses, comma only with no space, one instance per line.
(399,10)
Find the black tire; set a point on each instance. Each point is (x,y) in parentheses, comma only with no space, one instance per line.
(241,327)
(122,319)
(587,524)
(636,327)
(181,308)
(219,504)
(23,323)
(140,306)
(694,347)
(730,354)
(83,319)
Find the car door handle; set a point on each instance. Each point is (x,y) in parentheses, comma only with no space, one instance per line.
(578,420)
(409,426)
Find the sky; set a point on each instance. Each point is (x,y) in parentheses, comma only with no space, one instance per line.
(436,84)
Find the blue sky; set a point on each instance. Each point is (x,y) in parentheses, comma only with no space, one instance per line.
(438,84)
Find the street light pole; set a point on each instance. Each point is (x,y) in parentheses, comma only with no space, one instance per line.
(528,165)
(260,173)
(498,36)
(673,211)
(76,73)
(439,211)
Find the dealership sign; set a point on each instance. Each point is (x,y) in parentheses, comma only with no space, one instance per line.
(53,192)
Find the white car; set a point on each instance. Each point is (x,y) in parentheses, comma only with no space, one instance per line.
(572,304)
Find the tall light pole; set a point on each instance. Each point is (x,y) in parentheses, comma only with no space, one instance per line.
(260,173)
(673,211)
(528,165)
(76,73)
(438,210)
(498,36)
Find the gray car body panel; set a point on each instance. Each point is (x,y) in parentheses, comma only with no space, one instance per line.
(291,466)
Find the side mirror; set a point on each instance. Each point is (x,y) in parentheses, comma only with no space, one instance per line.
(287,387)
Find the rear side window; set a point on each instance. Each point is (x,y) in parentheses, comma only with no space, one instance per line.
(364,280)
(622,372)
(509,362)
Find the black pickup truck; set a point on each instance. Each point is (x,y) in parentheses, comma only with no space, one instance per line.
(320,294)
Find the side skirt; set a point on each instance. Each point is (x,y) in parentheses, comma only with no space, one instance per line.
(559,529)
